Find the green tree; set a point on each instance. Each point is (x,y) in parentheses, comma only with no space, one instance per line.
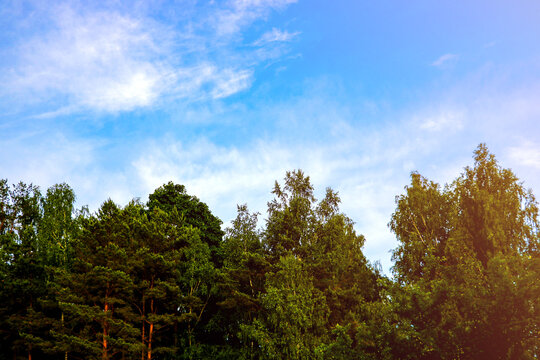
(289,227)
(57,225)
(56,232)
(95,293)
(194,212)
(294,313)
(197,329)
(23,278)
(242,282)
(140,281)
(155,273)
(338,264)
(467,258)
(332,274)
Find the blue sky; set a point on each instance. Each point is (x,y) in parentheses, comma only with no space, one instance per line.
(116,98)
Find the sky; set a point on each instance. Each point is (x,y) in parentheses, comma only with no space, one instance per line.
(116,98)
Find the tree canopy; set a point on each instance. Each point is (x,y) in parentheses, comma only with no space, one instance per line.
(163,280)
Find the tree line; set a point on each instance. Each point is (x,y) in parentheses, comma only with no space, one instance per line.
(162,280)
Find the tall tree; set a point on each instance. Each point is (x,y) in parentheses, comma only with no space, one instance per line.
(467,257)
(294,313)
(140,285)
(194,212)
(241,284)
(289,227)
(95,294)
(23,281)
(57,225)
(56,231)
(334,276)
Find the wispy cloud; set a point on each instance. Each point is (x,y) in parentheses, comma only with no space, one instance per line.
(446,120)
(51,156)
(445,60)
(275,35)
(231,82)
(113,60)
(316,131)
(240,13)
(526,154)
(208,80)
(368,170)
(102,61)
(368,167)
(212,170)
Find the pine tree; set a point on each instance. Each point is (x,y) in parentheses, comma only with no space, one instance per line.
(94,296)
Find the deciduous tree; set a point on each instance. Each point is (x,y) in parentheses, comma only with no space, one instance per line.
(466,258)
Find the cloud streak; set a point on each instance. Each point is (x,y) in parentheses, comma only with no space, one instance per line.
(275,35)
(444,60)
(241,13)
(322,136)
(114,61)
(101,61)
(368,167)
(526,154)
(129,95)
(447,120)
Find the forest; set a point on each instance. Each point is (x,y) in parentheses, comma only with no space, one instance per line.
(163,279)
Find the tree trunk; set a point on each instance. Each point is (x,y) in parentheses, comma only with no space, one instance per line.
(150,341)
(143,327)
(104,354)
(150,331)
(151,327)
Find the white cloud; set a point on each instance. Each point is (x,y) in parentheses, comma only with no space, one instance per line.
(526,154)
(112,61)
(275,35)
(241,13)
(102,61)
(45,157)
(216,174)
(50,157)
(444,60)
(208,80)
(231,83)
(369,166)
(446,120)
(367,169)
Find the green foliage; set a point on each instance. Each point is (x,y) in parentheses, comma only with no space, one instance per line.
(22,271)
(198,268)
(466,259)
(295,313)
(290,216)
(162,280)
(242,281)
(139,284)
(317,255)
(193,211)
(57,225)
(95,294)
